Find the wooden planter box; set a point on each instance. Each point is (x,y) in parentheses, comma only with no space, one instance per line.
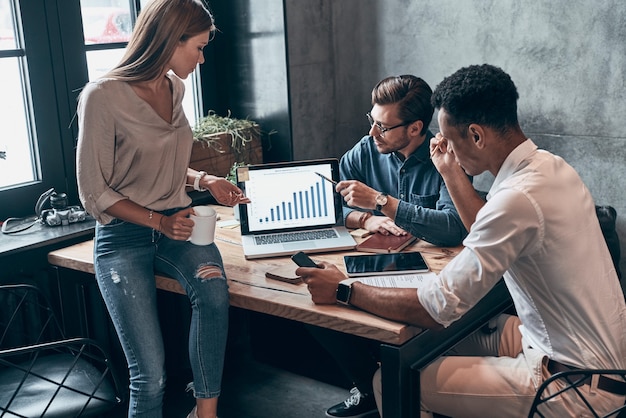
(218,156)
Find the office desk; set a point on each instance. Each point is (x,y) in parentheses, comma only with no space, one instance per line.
(249,289)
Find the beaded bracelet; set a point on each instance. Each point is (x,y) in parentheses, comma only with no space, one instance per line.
(150,216)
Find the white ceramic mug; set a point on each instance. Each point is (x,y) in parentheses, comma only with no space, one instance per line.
(204,219)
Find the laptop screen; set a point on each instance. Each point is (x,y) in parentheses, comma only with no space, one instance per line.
(289,196)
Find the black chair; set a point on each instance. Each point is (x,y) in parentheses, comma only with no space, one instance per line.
(43,374)
(574,380)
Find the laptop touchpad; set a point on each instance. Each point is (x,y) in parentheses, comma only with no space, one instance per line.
(299,245)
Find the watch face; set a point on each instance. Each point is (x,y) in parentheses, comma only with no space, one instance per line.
(343,293)
(381,199)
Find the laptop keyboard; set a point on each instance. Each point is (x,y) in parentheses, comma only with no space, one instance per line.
(295,236)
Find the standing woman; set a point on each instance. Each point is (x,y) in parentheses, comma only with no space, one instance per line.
(134,147)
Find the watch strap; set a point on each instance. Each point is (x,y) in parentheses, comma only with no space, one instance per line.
(196,181)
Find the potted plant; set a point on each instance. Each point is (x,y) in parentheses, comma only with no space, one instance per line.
(222,143)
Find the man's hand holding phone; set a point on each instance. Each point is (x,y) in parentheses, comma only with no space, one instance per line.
(321,279)
(303,260)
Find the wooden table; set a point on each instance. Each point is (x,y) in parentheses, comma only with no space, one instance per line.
(402,344)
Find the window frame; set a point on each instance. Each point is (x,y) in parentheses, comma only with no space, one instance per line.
(41,68)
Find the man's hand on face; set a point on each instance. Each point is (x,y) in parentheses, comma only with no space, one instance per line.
(441,156)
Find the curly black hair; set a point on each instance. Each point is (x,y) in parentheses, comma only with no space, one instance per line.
(481,94)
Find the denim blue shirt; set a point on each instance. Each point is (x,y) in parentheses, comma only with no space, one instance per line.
(425,208)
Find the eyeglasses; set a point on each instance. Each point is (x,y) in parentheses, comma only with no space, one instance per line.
(380,127)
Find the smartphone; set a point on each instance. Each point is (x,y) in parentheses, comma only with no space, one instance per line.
(385,264)
(303,260)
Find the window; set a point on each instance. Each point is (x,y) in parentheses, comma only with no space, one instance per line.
(17,156)
(107,29)
(49,49)
(32,153)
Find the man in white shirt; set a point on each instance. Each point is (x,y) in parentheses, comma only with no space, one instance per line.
(539,231)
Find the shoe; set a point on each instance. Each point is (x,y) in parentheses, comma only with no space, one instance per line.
(358,405)
(193,413)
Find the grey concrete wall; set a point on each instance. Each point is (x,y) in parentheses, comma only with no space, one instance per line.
(567,58)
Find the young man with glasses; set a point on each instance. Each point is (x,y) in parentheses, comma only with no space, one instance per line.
(390,186)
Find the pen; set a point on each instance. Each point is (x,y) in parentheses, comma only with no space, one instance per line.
(326,178)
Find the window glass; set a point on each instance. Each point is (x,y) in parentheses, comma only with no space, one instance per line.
(105,22)
(17,162)
(103,25)
(7,32)
(101,61)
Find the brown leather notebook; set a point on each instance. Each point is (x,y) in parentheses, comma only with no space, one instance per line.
(379,243)
(284,274)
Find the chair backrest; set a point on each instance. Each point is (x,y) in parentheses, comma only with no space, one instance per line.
(607,216)
(573,381)
(43,374)
(26,317)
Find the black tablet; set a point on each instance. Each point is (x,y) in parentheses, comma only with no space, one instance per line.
(384,264)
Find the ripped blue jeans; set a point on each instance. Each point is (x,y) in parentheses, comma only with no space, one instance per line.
(125,260)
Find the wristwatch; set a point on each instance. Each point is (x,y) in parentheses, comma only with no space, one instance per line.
(344,291)
(196,181)
(381,200)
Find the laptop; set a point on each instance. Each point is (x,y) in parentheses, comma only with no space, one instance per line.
(294,207)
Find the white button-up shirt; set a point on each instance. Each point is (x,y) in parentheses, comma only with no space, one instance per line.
(539,231)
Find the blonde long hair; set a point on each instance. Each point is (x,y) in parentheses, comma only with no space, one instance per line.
(161,25)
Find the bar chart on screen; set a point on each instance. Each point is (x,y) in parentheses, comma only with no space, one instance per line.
(290,197)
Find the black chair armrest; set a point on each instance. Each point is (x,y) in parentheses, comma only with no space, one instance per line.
(572,380)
